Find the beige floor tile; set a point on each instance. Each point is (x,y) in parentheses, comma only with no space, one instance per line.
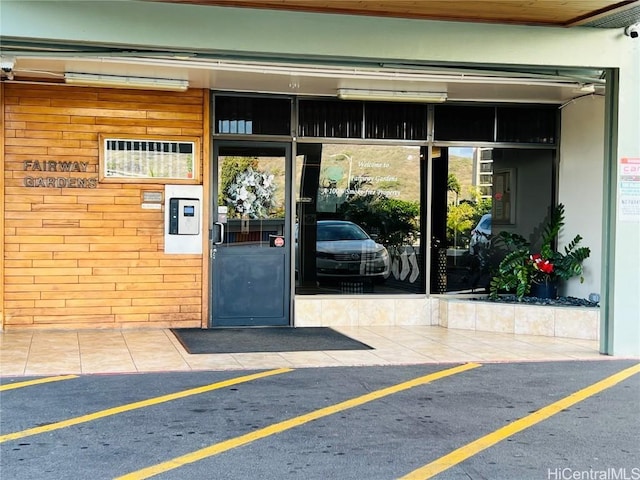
(64,363)
(500,356)
(310,359)
(114,351)
(161,365)
(589,344)
(175,342)
(145,338)
(14,352)
(222,361)
(14,368)
(108,365)
(157,360)
(48,337)
(101,342)
(453,357)
(104,351)
(356,357)
(15,340)
(395,357)
(587,356)
(559,347)
(260,361)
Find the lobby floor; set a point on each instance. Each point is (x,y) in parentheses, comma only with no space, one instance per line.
(35,353)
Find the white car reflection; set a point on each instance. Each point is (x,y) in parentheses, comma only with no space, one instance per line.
(345,250)
(481,235)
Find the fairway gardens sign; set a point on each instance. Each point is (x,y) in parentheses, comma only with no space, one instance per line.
(44,174)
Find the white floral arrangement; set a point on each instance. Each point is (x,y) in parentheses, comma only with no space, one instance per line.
(251,193)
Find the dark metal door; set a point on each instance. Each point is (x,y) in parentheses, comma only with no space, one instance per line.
(250,251)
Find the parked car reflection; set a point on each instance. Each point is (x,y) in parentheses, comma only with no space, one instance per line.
(481,234)
(345,250)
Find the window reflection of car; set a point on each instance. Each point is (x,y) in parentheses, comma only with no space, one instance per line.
(345,250)
(481,234)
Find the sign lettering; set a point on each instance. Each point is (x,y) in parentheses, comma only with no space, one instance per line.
(58,182)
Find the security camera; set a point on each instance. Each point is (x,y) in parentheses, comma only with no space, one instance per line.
(7,64)
(632,31)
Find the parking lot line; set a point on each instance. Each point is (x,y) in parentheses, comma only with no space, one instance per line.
(289,424)
(459,455)
(141,404)
(38,381)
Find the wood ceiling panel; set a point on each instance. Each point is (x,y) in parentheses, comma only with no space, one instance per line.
(528,12)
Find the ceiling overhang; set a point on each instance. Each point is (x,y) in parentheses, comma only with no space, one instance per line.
(568,13)
(49,63)
(313,79)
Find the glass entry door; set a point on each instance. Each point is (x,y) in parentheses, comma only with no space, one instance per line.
(250,254)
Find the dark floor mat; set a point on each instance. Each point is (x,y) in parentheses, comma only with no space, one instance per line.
(264,339)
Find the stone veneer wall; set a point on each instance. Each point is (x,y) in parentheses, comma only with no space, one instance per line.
(458,313)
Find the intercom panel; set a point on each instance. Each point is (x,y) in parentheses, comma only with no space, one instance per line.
(184,216)
(183,232)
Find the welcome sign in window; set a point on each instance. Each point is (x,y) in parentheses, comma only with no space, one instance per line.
(358,227)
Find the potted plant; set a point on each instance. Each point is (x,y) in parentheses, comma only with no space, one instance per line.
(538,273)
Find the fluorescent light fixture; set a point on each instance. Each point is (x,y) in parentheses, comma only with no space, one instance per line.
(587,88)
(391,95)
(114,81)
(384,72)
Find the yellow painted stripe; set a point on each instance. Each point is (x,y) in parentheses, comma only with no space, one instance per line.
(135,405)
(288,424)
(467,451)
(28,383)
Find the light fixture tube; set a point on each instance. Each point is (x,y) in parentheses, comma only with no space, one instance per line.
(587,88)
(385,72)
(114,81)
(391,95)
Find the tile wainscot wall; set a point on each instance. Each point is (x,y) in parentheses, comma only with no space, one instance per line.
(458,313)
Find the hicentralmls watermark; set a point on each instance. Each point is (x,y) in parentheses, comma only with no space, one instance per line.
(592,474)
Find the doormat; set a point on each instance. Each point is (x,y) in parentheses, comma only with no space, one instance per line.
(264,339)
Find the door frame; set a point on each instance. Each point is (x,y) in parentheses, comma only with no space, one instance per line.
(288,291)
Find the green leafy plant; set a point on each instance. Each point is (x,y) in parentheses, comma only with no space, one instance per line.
(520,268)
(393,221)
(460,220)
(462,216)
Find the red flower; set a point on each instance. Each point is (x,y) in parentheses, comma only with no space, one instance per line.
(539,263)
(546,266)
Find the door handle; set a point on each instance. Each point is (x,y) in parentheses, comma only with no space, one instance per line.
(218,233)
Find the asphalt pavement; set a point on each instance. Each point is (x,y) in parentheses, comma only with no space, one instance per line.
(547,420)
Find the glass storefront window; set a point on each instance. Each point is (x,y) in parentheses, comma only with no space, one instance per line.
(358,228)
(462,256)
(361,205)
(488,191)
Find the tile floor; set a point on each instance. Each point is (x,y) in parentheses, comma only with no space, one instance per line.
(34,353)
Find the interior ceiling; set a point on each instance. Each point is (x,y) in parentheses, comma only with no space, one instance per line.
(33,63)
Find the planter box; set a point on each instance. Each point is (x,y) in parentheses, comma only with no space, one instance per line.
(546,320)
(460,312)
